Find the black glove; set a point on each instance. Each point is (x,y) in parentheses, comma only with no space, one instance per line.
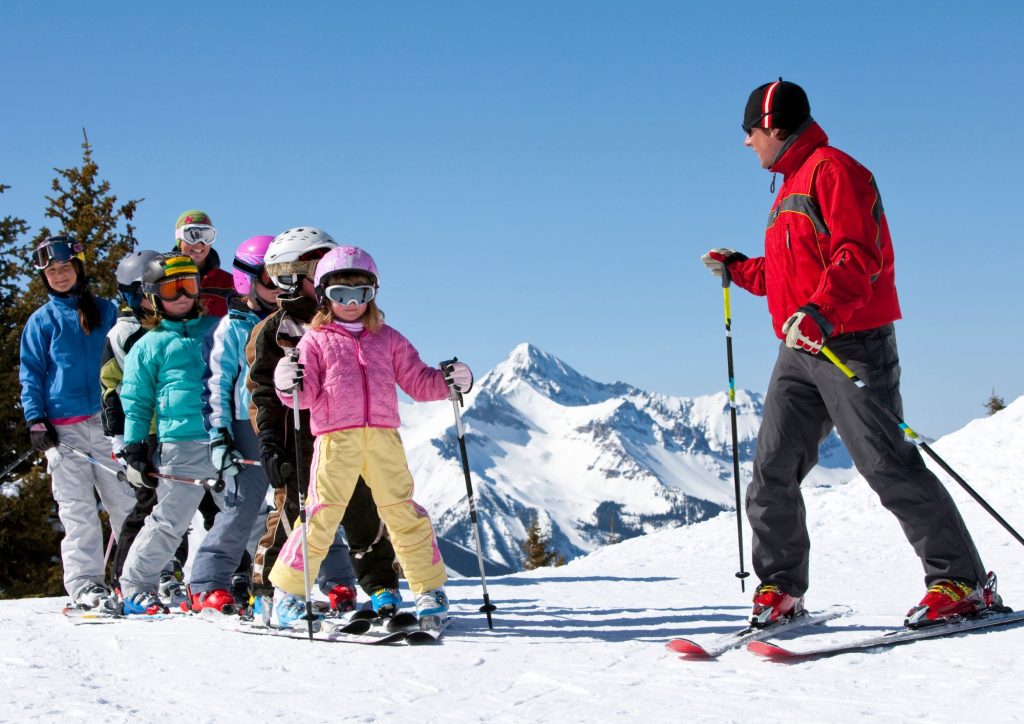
(139,465)
(280,471)
(43,434)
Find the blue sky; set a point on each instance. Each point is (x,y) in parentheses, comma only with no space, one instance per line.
(551,172)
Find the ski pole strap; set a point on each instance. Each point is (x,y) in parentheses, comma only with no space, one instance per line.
(360,552)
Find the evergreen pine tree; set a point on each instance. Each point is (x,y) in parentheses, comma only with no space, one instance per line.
(995,403)
(538,555)
(85,209)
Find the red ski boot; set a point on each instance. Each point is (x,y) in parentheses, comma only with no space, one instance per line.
(217,599)
(771,603)
(947,598)
(342,598)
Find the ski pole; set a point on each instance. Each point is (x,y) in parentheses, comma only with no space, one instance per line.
(919,442)
(110,547)
(119,474)
(212,484)
(21,458)
(302,503)
(456,397)
(208,483)
(741,574)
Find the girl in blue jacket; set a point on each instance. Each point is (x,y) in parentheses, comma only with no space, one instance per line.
(163,376)
(61,347)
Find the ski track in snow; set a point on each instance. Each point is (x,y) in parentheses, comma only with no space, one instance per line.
(580,643)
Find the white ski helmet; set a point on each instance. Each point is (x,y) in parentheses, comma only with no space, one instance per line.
(285,251)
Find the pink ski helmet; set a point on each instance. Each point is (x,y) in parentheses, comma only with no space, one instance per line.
(345,258)
(248,263)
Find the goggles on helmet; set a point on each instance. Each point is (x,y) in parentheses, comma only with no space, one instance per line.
(344,294)
(171,288)
(288,274)
(196,234)
(58,248)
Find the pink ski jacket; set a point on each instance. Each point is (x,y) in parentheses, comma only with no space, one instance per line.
(349,381)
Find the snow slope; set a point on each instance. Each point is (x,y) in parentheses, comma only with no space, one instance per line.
(578,643)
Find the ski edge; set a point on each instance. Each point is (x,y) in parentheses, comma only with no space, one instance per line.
(895,637)
(691,650)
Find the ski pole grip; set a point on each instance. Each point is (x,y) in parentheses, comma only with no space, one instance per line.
(726,279)
(447,366)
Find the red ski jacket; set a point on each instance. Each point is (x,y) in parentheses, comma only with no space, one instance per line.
(827,241)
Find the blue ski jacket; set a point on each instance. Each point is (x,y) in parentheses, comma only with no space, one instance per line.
(227,367)
(60,363)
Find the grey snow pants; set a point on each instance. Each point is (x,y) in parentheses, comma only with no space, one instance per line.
(806,397)
(75,482)
(171,516)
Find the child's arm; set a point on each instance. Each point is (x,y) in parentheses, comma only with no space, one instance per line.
(35,361)
(222,351)
(138,392)
(418,380)
(111,375)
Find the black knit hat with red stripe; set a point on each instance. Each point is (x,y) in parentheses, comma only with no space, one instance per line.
(780,104)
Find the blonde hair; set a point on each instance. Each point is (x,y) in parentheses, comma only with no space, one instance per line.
(373,317)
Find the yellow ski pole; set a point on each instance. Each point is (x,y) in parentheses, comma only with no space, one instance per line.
(914,438)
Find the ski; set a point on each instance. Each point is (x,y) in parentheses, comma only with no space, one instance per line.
(333,636)
(716,647)
(430,631)
(894,637)
(80,614)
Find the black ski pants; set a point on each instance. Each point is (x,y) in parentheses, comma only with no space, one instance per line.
(806,397)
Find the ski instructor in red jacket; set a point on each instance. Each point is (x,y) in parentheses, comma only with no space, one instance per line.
(828,273)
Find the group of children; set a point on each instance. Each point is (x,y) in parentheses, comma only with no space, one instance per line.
(201,377)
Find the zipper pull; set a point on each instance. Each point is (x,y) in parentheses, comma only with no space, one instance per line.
(359,354)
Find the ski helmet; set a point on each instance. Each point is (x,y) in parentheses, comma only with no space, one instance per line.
(166,268)
(344,258)
(283,257)
(249,261)
(129,276)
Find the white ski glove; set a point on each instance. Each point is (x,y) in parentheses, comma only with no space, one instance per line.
(53,459)
(457,375)
(718,260)
(288,373)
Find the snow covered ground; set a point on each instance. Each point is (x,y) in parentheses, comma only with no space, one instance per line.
(578,643)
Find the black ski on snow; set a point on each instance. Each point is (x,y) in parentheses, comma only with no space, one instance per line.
(430,631)
(718,646)
(892,638)
(364,627)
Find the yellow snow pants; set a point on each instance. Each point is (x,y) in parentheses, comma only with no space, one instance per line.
(339,458)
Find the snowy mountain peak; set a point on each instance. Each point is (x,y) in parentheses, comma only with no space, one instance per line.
(549,376)
(588,458)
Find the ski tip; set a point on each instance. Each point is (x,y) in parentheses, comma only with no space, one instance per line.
(771,651)
(688,648)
